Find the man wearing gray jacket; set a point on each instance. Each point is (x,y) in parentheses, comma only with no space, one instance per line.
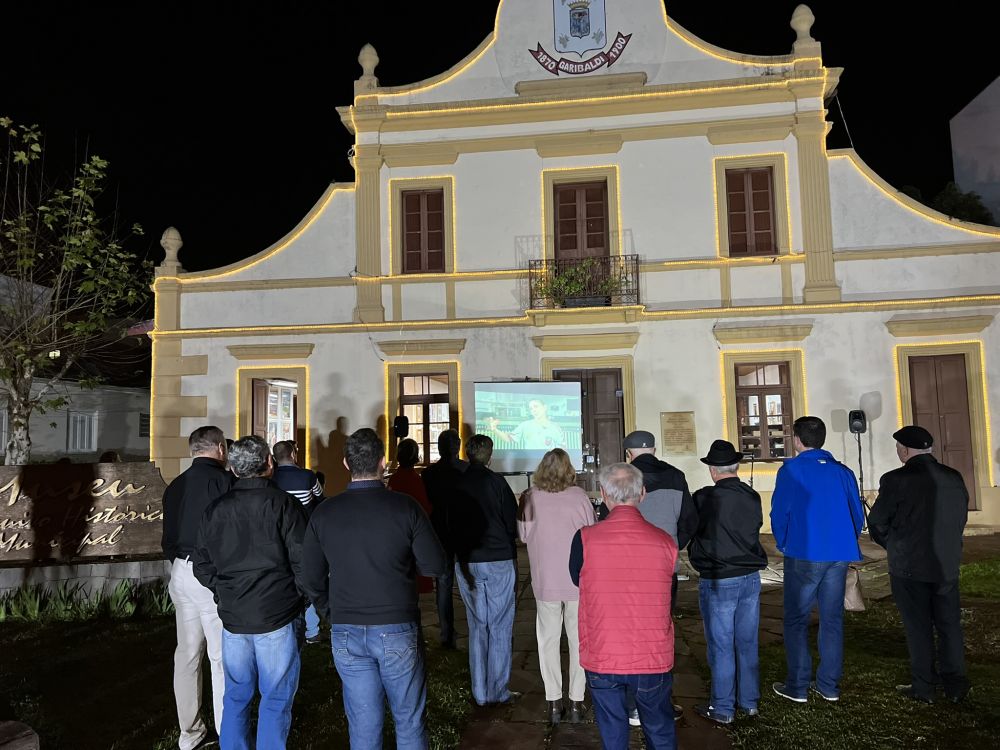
(667,505)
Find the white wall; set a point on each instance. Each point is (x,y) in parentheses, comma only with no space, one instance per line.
(116,411)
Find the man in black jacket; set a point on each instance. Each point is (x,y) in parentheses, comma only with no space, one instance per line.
(483,528)
(249,553)
(919,517)
(198,625)
(363,549)
(441,480)
(726,552)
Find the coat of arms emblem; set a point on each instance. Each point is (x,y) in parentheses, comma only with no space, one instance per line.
(580,25)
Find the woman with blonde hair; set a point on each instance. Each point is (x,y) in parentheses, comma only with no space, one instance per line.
(549,516)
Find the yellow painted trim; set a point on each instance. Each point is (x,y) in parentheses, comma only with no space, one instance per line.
(277,247)
(979,408)
(625,363)
(396,187)
(244,396)
(761,334)
(780,190)
(624,314)
(270,351)
(907,202)
(951,326)
(193,364)
(731,133)
(893,253)
(725,286)
(787,293)
(393,370)
(664,98)
(796,374)
(552,177)
(577,342)
(576,144)
(398,348)
(175,405)
(560,87)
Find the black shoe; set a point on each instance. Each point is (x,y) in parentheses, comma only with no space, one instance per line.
(555,711)
(825,696)
(907,692)
(513,698)
(315,639)
(780,689)
(958,697)
(708,712)
(678,712)
(576,712)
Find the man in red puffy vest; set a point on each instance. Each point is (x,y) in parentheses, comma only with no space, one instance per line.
(626,634)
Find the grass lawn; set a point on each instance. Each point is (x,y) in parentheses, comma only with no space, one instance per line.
(870,714)
(108,684)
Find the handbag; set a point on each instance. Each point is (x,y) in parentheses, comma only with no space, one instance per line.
(854,600)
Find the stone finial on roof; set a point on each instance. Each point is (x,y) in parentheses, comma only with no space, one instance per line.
(367,83)
(171,243)
(802,21)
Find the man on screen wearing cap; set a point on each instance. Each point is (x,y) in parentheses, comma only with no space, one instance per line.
(727,554)
(919,517)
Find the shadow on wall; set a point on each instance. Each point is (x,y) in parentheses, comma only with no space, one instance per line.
(329,458)
(58,515)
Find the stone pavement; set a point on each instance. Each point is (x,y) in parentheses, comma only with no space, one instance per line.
(524,725)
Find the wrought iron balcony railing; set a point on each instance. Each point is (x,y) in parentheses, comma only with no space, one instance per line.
(584,282)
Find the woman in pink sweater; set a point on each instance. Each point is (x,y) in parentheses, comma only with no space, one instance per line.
(549,516)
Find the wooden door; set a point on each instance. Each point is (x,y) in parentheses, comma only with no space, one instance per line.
(603,413)
(258,409)
(581,225)
(940,400)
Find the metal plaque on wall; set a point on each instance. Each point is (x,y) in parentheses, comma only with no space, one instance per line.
(678,434)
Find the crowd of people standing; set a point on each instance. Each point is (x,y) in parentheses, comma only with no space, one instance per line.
(258,556)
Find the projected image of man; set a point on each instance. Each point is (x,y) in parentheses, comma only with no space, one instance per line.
(537,433)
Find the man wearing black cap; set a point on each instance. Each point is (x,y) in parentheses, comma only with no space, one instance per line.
(667,506)
(726,552)
(919,517)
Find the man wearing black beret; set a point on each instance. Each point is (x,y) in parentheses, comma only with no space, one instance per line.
(919,518)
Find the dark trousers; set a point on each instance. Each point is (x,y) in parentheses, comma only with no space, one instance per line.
(926,607)
(445,604)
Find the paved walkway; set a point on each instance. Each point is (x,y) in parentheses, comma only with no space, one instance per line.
(524,726)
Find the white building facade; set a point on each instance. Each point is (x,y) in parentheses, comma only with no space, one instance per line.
(735,273)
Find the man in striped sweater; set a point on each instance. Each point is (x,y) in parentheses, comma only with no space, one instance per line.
(303,485)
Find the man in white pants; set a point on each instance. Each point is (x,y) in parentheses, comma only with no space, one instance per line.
(198,625)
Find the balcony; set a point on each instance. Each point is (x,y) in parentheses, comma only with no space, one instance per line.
(584,282)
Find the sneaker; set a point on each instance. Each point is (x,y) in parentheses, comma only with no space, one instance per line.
(683,577)
(209,740)
(708,712)
(678,712)
(825,696)
(313,640)
(907,691)
(749,711)
(780,689)
(958,697)
(633,718)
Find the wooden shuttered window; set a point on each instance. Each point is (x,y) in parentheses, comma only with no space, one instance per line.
(750,207)
(423,231)
(581,227)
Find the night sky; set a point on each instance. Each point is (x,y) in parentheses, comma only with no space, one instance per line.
(218,118)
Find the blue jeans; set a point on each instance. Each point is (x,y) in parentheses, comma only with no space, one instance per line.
(375,663)
(730,608)
(809,583)
(487,590)
(652,697)
(312,621)
(270,662)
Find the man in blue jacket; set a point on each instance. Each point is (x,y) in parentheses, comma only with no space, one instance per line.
(816,517)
